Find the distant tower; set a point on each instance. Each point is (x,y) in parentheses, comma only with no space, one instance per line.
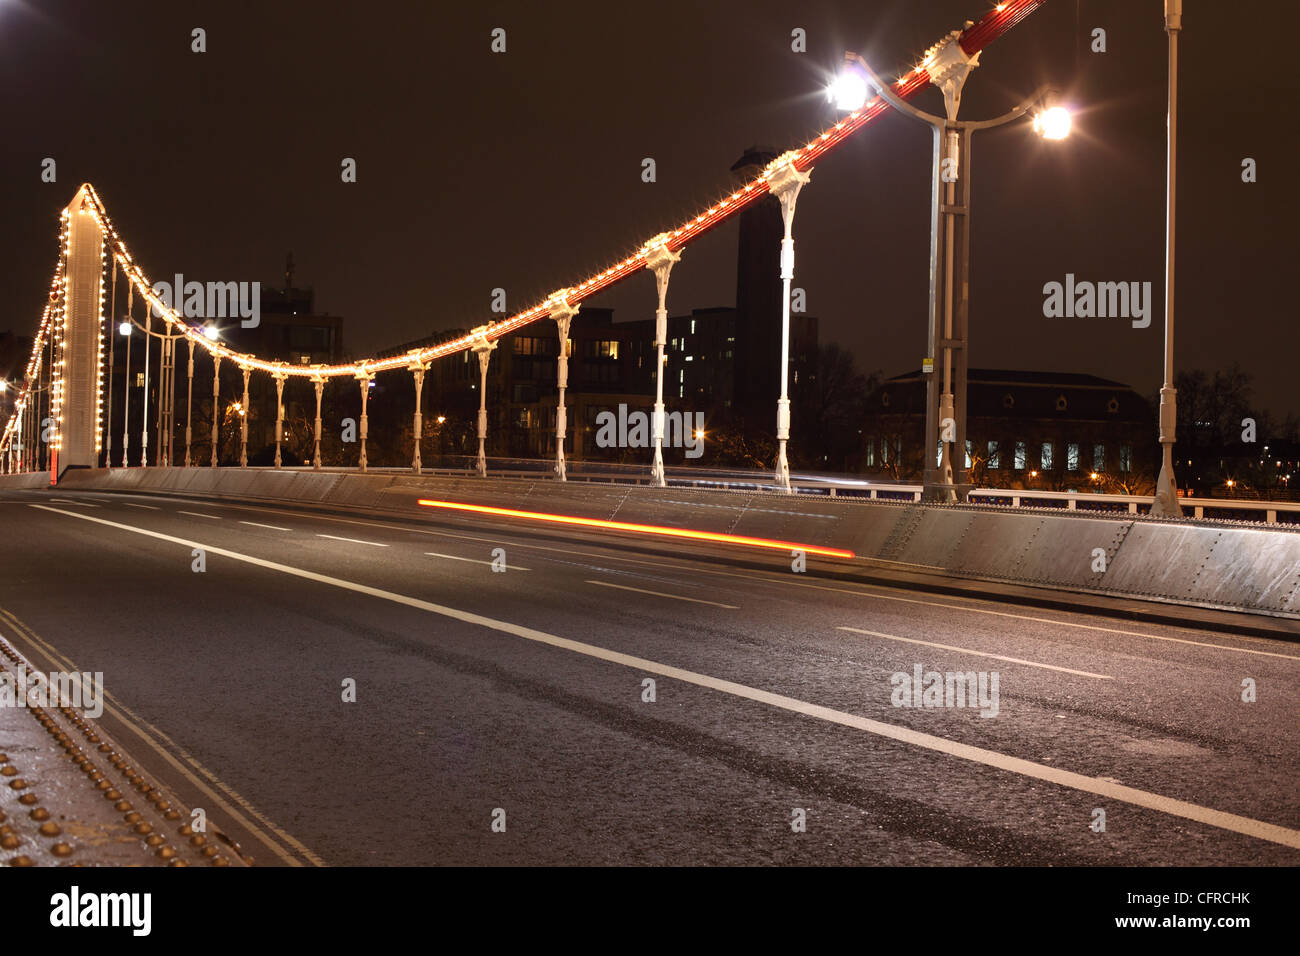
(758,300)
(288,272)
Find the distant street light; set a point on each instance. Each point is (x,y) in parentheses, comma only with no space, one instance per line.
(124,328)
(210,332)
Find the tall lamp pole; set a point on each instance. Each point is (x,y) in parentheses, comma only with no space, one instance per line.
(948,66)
(1166,500)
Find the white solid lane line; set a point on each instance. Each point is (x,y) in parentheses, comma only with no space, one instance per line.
(967,650)
(452,557)
(69,501)
(675,597)
(258,524)
(332,537)
(197,514)
(1048,620)
(1233,822)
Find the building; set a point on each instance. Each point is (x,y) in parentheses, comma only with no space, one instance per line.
(1047,430)
(290,329)
(608,366)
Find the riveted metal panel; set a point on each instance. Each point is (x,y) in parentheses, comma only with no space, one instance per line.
(1240,568)
(1252,569)
(1068,551)
(994,545)
(934,537)
(1161,560)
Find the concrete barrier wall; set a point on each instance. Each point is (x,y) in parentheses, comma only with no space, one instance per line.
(1217,566)
(28,479)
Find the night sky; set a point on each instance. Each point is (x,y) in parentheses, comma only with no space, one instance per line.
(522,170)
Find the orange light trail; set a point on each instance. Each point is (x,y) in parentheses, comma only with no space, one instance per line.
(642,528)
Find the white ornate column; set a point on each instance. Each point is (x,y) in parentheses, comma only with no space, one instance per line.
(280,376)
(417,369)
(189,401)
(144,412)
(216,403)
(784,182)
(364,376)
(243,419)
(318,381)
(483,348)
(563,314)
(659,259)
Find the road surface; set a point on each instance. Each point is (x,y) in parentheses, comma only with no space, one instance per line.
(504,717)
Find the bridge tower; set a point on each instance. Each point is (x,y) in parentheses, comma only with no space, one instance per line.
(79,341)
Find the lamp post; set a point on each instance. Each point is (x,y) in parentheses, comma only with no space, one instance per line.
(167,387)
(948,66)
(1166,498)
(125,329)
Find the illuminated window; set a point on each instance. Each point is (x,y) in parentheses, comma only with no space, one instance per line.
(1047,456)
(1072,456)
(1098,457)
(1020,456)
(995,459)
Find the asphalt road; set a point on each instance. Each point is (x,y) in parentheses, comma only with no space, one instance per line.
(484,696)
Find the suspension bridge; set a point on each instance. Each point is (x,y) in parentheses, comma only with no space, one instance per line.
(691,659)
(63,402)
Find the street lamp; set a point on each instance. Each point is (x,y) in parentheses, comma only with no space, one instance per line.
(1166,498)
(211,333)
(166,410)
(1053,123)
(948,66)
(848,91)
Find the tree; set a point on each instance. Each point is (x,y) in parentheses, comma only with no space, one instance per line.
(1211,407)
(831,405)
